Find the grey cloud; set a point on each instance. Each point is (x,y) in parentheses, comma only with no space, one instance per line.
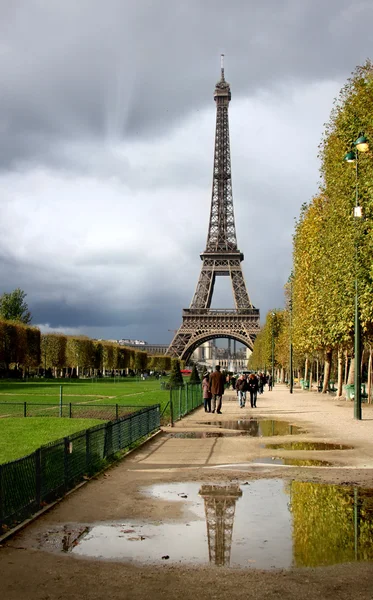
(127,69)
(79,78)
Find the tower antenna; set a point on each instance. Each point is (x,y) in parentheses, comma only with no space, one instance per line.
(222,66)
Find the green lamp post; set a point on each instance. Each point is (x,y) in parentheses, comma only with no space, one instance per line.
(360,145)
(291,334)
(273,350)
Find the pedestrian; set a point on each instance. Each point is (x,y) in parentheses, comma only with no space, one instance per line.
(262,382)
(233,382)
(216,382)
(269,383)
(252,384)
(241,387)
(206,394)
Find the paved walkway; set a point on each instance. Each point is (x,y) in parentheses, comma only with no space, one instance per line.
(323,417)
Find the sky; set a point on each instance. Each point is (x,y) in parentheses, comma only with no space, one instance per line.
(107,124)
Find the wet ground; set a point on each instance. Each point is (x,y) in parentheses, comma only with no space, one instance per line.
(257,427)
(295,462)
(268,512)
(265,524)
(309,446)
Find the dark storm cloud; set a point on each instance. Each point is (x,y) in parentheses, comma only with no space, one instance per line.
(106,128)
(126,69)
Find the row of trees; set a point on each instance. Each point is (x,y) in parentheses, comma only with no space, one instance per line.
(332,250)
(24,347)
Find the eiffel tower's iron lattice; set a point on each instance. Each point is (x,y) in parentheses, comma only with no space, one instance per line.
(220,507)
(220,258)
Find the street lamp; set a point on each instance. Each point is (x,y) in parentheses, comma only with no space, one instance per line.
(360,145)
(273,350)
(291,336)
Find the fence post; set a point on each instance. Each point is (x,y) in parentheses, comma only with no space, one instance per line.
(130,428)
(179,404)
(87,455)
(186,399)
(117,412)
(38,477)
(1,495)
(25,409)
(60,400)
(108,449)
(171,409)
(66,462)
(70,410)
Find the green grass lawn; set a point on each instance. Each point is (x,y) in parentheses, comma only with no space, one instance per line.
(126,391)
(19,437)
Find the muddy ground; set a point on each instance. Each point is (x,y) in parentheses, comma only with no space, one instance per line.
(30,570)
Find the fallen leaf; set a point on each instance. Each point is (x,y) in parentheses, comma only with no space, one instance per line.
(127,530)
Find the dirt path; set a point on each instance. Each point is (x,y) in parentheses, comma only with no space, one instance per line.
(28,571)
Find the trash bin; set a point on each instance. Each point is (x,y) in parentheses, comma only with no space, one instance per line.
(349,389)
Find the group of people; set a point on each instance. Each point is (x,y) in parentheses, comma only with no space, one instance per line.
(213,386)
(254,384)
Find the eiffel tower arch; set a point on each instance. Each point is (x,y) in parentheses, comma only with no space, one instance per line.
(221,258)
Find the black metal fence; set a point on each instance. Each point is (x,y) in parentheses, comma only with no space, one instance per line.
(30,482)
(80,410)
(184,399)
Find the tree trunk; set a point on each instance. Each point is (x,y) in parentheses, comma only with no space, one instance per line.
(310,388)
(351,372)
(370,376)
(327,367)
(346,367)
(340,373)
(282,375)
(306,369)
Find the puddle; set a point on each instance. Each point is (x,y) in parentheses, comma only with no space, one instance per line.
(296,462)
(264,524)
(205,434)
(258,428)
(309,446)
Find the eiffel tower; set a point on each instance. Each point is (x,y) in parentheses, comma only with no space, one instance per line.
(221,257)
(220,506)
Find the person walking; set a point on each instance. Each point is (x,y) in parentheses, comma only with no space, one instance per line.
(252,384)
(241,387)
(260,383)
(206,394)
(217,381)
(263,381)
(269,383)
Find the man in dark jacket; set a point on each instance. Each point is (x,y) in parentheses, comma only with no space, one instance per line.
(216,381)
(252,384)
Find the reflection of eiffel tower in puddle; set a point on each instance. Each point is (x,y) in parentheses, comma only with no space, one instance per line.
(220,504)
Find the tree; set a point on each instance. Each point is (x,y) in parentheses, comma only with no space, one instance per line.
(176,378)
(194,376)
(14,308)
